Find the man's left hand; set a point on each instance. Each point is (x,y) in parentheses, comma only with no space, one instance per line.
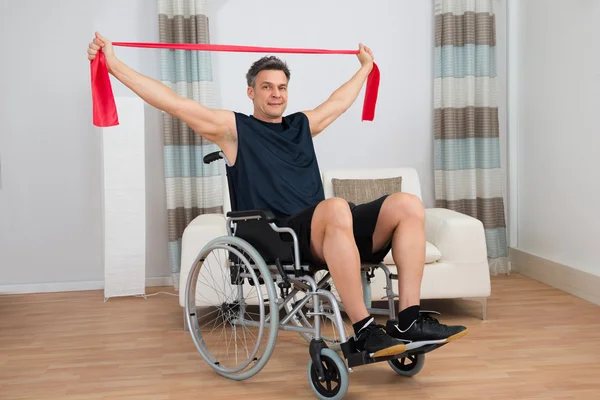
(365,56)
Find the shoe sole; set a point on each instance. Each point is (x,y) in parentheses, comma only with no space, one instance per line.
(390,351)
(457,335)
(415,345)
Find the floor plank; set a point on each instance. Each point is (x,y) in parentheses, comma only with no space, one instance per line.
(538,343)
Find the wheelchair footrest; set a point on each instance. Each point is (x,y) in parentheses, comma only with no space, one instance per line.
(354,357)
(357,358)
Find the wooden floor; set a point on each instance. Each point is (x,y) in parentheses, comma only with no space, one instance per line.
(538,343)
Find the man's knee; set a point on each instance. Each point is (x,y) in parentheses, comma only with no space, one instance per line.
(336,213)
(406,205)
(333,217)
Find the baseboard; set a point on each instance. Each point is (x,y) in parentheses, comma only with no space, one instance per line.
(160,281)
(568,279)
(72,286)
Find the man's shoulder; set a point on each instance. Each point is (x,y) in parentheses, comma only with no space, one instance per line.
(296,118)
(297,114)
(242,119)
(241,115)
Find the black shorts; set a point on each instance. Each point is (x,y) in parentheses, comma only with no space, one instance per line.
(364,219)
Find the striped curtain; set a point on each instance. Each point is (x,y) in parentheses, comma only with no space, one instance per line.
(468,175)
(192,187)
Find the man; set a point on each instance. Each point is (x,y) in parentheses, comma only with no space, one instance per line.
(274,167)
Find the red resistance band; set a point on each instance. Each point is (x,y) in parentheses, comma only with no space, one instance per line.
(105,110)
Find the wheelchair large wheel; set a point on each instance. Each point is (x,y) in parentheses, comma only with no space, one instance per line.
(227,295)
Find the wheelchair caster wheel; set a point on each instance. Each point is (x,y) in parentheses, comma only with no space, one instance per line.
(335,382)
(408,366)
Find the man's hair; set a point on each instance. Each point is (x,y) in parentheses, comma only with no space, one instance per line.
(266,63)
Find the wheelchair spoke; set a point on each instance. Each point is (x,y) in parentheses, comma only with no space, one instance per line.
(219,339)
(223,274)
(255,296)
(215,326)
(235,342)
(249,331)
(245,343)
(216,287)
(225,278)
(215,319)
(204,297)
(228,341)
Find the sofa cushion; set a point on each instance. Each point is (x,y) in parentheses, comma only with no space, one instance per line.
(360,191)
(432,254)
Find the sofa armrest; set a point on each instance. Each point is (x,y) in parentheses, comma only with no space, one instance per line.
(196,235)
(459,237)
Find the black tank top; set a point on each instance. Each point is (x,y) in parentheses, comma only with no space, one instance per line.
(276,166)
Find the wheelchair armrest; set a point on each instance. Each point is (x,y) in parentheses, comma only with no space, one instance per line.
(267,215)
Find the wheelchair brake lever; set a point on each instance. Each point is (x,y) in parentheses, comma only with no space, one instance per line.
(285,285)
(284,277)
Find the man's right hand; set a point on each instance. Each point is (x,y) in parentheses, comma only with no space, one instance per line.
(218,126)
(101,43)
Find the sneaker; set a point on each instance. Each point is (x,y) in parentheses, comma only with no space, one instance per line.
(375,340)
(425,330)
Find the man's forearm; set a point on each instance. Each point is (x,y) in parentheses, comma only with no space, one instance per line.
(346,94)
(150,90)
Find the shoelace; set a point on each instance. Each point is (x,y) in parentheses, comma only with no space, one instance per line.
(375,327)
(381,328)
(425,316)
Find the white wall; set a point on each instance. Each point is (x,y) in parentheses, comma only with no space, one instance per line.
(558,142)
(50,200)
(400,35)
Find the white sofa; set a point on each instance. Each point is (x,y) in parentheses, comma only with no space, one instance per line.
(456,263)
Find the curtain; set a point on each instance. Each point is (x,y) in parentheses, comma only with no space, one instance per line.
(192,187)
(468,175)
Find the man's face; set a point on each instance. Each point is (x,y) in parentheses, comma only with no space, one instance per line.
(269,93)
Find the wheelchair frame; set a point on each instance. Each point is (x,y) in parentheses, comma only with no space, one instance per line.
(293,277)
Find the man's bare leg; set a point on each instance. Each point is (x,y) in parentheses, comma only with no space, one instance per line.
(402,218)
(332,242)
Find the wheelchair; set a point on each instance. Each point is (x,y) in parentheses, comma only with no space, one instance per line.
(246,286)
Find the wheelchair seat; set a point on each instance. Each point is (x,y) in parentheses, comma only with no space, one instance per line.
(257,231)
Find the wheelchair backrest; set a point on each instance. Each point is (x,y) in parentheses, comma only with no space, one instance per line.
(229,198)
(270,244)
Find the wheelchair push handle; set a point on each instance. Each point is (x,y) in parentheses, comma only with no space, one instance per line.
(214,156)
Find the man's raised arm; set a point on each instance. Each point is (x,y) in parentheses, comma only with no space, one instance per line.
(215,125)
(340,100)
